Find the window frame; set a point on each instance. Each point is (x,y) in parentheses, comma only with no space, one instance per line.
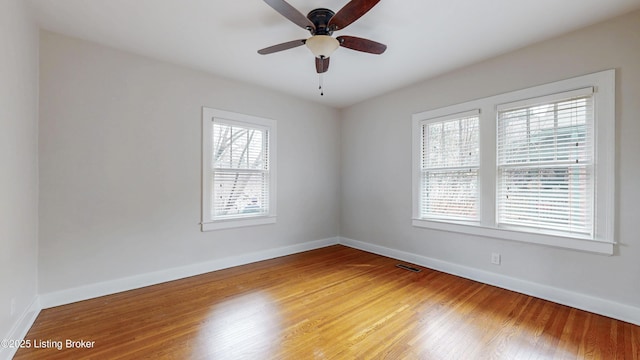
(209,115)
(603,240)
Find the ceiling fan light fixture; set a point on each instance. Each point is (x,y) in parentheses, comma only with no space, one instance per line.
(322,46)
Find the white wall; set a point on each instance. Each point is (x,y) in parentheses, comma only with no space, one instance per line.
(376,164)
(18,165)
(120,166)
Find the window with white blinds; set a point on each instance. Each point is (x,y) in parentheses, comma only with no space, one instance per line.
(449,167)
(546,163)
(535,165)
(238,170)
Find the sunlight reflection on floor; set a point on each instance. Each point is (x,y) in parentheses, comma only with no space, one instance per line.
(245,326)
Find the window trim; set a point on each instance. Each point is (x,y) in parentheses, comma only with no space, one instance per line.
(603,241)
(208,115)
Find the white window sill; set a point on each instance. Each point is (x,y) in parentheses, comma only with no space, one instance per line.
(238,222)
(588,245)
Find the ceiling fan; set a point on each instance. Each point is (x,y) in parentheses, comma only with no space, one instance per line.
(321,23)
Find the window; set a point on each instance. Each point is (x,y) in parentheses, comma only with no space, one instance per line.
(449,174)
(537,166)
(545,163)
(238,170)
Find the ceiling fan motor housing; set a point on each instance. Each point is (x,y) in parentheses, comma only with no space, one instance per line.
(320,19)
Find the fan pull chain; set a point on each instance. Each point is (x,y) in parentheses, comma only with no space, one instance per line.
(320,78)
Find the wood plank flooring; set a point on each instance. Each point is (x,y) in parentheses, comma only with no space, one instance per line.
(330,303)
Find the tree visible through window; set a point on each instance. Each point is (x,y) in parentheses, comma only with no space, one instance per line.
(449,171)
(240,171)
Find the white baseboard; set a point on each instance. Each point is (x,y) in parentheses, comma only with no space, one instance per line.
(581,301)
(21,327)
(80,293)
(577,300)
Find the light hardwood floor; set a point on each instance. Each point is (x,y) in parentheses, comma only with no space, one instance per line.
(330,303)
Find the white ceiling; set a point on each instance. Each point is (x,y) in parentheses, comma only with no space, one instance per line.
(424,38)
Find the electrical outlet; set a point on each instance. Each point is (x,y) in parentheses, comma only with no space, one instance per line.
(495,258)
(13,306)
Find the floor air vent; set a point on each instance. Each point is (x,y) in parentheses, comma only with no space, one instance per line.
(407,267)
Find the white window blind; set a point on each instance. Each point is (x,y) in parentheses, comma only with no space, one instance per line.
(240,165)
(545,177)
(449,167)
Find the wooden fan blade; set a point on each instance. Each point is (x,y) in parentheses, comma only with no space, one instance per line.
(322,65)
(283,46)
(360,44)
(291,13)
(350,13)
